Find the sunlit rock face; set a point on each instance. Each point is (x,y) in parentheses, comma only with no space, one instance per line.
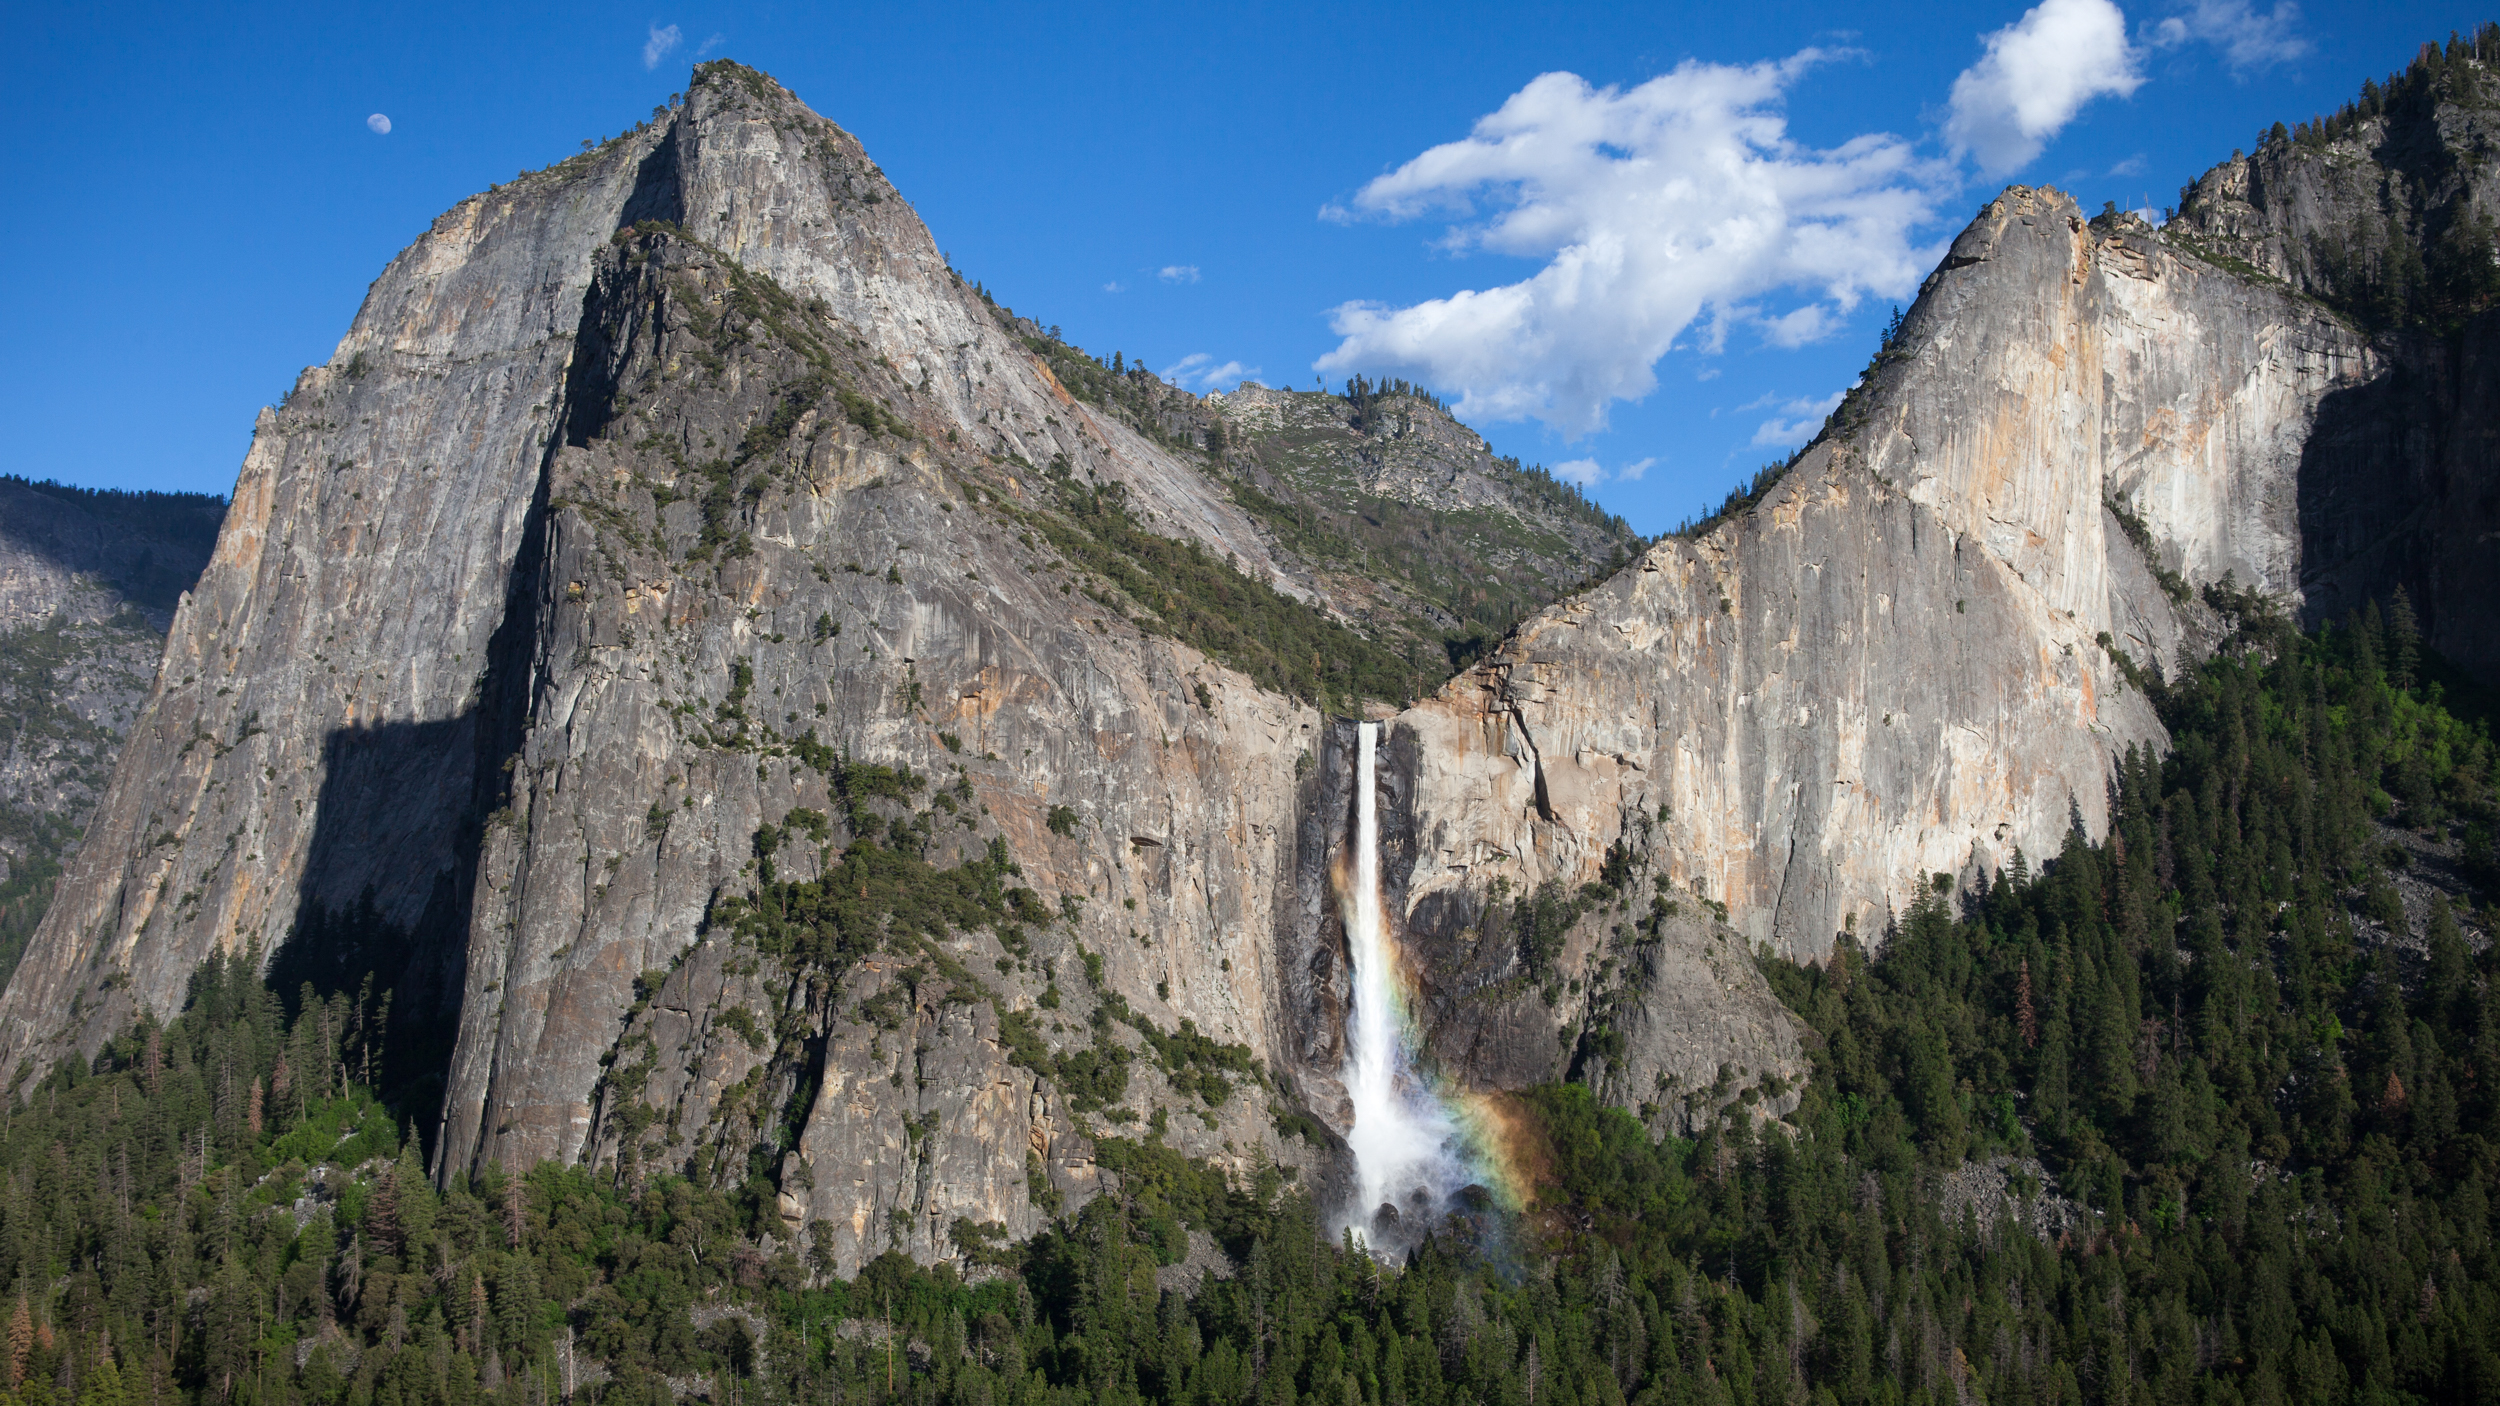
(1894,664)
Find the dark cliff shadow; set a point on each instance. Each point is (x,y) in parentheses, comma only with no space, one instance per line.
(2399,486)
(389,888)
(383,914)
(1310,931)
(659,193)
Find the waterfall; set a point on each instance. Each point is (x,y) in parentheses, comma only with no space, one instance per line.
(1410,1153)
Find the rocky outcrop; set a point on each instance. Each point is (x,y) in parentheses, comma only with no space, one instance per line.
(1612,978)
(648,498)
(1432,536)
(696,427)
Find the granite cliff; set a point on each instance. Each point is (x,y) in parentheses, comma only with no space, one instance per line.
(1906,657)
(1921,648)
(758,707)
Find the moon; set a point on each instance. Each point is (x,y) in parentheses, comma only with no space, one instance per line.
(380,123)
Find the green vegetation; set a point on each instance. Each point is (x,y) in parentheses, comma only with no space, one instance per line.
(2130,523)
(25,895)
(886,890)
(181,526)
(1372,402)
(1181,591)
(1474,566)
(757,314)
(2450,71)
(1457,580)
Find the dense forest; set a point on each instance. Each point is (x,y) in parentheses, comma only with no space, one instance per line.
(2204,1112)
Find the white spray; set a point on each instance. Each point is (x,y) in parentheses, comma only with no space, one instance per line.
(1405,1144)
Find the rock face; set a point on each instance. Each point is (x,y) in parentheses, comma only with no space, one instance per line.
(567,500)
(1650,997)
(88,581)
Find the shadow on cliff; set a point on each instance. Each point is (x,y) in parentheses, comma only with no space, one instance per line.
(390,878)
(386,897)
(2398,488)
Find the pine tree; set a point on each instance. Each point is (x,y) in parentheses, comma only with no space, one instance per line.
(21,1341)
(2404,640)
(2026,1021)
(382,1214)
(515,1211)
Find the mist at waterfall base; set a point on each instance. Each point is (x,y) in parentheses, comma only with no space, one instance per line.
(1421,1152)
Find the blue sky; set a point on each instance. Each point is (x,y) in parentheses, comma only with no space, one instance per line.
(1645,242)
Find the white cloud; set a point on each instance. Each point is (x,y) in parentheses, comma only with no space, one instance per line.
(1114,288)
(1203,371)
(1811,323)
(710,44)
(379,124)
(1680,200)
(1178,273)
(2247,39)
(1588,473)
(1796,422)
(2132,166)
(657,47)
(2037,74)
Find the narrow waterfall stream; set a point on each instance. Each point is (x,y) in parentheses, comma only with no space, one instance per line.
(1412,1151)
